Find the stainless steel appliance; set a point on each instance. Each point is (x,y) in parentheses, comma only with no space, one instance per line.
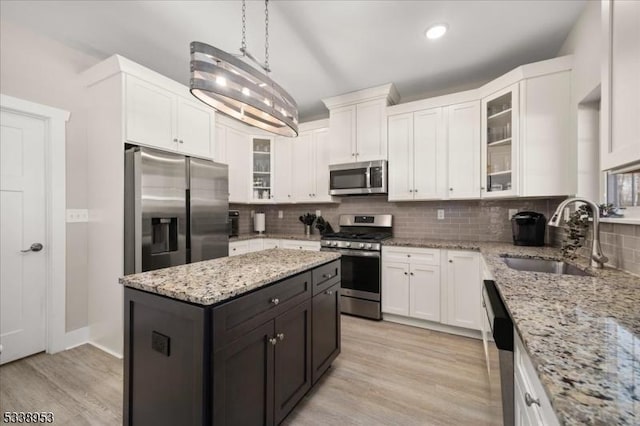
(360,243)
(528,228)
(369,177)
(234,223)
(176,210)
(502,330)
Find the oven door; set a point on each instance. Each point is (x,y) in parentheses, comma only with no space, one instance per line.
(360,273)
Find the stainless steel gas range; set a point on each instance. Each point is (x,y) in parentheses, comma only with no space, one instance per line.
(360,243)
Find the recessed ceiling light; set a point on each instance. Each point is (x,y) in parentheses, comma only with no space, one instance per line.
(436,31)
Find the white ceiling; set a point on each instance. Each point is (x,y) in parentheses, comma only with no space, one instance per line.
(318,48)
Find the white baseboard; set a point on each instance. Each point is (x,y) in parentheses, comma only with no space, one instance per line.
(76,337)
(435,326)
(104,349)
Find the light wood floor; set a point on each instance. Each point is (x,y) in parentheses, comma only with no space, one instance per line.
(387,374)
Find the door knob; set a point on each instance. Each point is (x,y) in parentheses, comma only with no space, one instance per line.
(34,247)
(280,336)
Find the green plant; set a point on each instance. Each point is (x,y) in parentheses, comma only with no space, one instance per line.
(575,231)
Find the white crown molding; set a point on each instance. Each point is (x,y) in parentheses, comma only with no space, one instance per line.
(387,92)
(314,125)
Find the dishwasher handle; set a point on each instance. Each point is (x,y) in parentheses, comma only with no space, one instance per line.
(498,316)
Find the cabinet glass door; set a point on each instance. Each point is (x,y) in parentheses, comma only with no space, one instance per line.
(262,178)
(500,113)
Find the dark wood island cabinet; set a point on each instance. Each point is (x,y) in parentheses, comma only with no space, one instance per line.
(245,360)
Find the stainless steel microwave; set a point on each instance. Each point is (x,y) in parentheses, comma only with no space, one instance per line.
(367,177)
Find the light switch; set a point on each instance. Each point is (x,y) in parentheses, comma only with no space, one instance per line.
(280,214)
(440,214)
(77,215)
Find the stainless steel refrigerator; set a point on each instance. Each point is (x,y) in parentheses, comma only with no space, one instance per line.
(176,210)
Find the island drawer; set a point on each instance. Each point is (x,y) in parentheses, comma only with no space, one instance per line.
(237,317)
(325,276)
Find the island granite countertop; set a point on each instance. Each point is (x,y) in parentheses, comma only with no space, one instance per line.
(582,333)
(214,281)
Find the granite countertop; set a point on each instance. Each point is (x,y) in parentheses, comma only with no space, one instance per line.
(214,281)
(582,333)
(301,237)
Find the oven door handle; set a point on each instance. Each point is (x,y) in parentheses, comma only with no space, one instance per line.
(356,253)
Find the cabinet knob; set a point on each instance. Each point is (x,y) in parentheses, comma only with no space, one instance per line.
(275,300)
(180,141)
(273,341)
(450,261)
(411,190)
(353,154)
(482,188)
(450,189)
(327,276)
(234,249)
(175,140)
(405,273)
(529,400)
(329,292)
(271,196)
(280,336)
(415,190)
(408,255)
(410,273)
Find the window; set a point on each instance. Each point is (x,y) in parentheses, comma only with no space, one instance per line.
(623,190)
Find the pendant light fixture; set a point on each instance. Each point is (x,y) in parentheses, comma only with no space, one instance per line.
(229,84)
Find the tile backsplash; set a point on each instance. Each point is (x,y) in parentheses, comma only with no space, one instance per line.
(471,220)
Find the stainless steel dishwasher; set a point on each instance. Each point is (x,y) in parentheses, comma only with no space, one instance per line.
(502,331)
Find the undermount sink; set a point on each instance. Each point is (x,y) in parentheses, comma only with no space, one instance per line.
(546,266)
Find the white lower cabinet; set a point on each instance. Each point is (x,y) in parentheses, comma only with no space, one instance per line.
(239,247)
(464,289)
(532,407)
(424,292)
(395,288)
(411,282)
(433,285)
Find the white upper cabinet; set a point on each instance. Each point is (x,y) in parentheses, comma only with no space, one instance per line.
(262,179)
(547,158)
(239,160)
(149,113)
(371,131)
(342,148)
(310,167)
(157,117)
(463,147)
(358,124)
(500,137)
(620,128)
(283,184)
(195,128)
(417,156)
(220,146)
(303,168)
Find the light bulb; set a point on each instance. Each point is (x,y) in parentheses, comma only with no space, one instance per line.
(436,31)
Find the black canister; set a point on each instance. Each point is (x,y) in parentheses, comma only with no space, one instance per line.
(528,228)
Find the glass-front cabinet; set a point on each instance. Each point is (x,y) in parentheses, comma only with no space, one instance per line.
(262,169)
(500,113)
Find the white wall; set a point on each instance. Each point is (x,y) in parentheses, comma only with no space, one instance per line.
(585,43)
(42,70)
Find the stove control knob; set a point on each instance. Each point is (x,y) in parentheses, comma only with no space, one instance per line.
(348,244)
(361,245)
(369,245)
(334,244)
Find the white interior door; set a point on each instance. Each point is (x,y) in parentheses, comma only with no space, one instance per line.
(22,224)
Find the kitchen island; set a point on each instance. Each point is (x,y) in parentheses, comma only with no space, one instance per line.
(234,340)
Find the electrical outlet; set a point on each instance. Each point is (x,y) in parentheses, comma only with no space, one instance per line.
(567,213)
(440,214)
(77,215)
(318,213)
(512,212)
(280,214)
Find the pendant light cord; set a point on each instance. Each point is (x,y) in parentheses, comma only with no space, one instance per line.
(243,47)
(266,36)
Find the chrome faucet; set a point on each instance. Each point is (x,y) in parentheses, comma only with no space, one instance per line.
(597,258)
